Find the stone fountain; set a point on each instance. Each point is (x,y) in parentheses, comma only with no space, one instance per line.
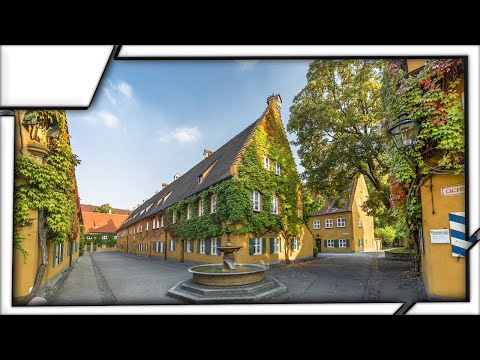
(228,282)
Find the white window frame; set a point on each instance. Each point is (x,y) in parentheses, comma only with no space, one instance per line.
(296,244)
(257,246)
(200,179)
(162,246)
(275,205)
(189,246)
(202,246)
(89,238)
(146,246)
(104,237)
(201,208)
(330,243)
(213,204)
(147,226)
(316,224)
(141,228)
(189,212)
(359,222)
(104,246)
(266,162)
(339,222)
(171,244)
(276,245)
(174,217)
(255,197)
(161,221)
(342,243)
(278,169)
(328,223)
(213,246)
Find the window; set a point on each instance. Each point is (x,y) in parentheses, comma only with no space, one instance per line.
(104,246)
(359,222)
(189,212)
(316,224)
(360,242)
(274,205)
(214,247)
(162,246)
(200,179)
(342,243)
(147,226)
(266,162)
(141,228)
(278,170)
(201,209)
(161,221)
(213,204)
(328,223)
(202,246)
(257,246)
(360,201)
(276,245)
(104,237)
(154,223)
(189,246)
(341,222)
(174,217)
(296,243)
(172,245)
(146,246)
(89,237)
(256,200)
(330,243)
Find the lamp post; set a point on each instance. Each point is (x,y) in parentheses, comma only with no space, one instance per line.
(404,133)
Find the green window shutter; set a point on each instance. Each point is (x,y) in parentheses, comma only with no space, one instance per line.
(184,245)
(272,247)
(208,246)
(291,243)
(348,243)
(264,245)
(198,246)
(250,247)
(325,243)
(54,254)
(335,243)
(219,243)
(164,246)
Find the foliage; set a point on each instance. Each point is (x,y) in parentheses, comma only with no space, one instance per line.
(337,118)
(110,241)
(105,208)
(234,207)
(400,250)
(387,234)
(49,186)
(315,252)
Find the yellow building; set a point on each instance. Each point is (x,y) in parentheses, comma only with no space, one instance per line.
(346,228)
(442,194)
(32,140)
(253,174)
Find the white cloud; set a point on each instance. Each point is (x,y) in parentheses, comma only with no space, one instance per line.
(125,89)
(108,119)
(110,96)
(183,135)
(118,92)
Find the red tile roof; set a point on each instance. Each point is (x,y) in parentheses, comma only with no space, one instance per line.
(90,208)
(101,222)
(329,207)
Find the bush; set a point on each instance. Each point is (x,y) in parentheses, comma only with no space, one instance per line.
(315,252)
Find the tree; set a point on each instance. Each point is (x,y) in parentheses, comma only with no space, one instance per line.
(337,118)
(105,208)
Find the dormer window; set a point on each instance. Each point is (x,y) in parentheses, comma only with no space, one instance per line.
(200,179)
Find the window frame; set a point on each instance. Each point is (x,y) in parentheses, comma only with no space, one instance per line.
(330,243)
(327,222)
(266,162)
(201,207)
(213,204)
(360,222)
(174,217)
(189,246)
(257,209)
(213,246)
(339,220)
(296,244)
(172,245)
(104,237)
(274,205)
(277,245)
(202,246)
(316,222)
(257,244)
(342,241)
(278,169)
(189,212)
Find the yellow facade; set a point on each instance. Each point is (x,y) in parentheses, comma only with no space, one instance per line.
(24,270)
(443,274)
(358,229)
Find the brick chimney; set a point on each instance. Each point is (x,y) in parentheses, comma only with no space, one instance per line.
(275,99)
(207,153)
(164,185)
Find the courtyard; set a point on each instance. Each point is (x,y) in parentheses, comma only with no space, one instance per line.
(114,278)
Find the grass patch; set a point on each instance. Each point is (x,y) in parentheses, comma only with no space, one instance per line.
(399,250)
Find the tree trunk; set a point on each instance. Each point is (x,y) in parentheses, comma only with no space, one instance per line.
(42,239)
(287,245)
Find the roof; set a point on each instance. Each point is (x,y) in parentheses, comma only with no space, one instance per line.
(102,222)
(330,208)
(218,162)
(91,208)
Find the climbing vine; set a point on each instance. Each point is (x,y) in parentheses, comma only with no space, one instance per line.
(233,204)
(49,187)
(431,95)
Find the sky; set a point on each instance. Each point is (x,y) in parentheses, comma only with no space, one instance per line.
(152,119)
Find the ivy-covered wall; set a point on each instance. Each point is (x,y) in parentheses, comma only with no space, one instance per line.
(97,238)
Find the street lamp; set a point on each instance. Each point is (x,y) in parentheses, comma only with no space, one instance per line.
(404,132)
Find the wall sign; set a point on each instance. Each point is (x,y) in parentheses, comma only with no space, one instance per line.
(453,190)
(440,236)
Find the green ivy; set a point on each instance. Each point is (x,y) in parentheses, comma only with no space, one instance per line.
(49,186)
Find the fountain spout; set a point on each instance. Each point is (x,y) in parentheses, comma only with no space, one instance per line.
(228,264)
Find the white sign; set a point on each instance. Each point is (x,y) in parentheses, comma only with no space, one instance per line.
(453,190)
(440,236)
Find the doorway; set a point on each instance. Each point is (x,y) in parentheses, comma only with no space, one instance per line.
(318,242)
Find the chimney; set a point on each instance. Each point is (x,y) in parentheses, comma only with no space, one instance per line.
(176,176)
(207,153)
(164,185)
(275,99)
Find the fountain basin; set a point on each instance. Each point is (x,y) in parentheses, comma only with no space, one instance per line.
(217,275)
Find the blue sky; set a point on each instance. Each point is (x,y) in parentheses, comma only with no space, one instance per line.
(151,119)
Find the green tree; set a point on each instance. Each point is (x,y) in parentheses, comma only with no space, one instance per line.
(337,118)
(387,234)
(105,208)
